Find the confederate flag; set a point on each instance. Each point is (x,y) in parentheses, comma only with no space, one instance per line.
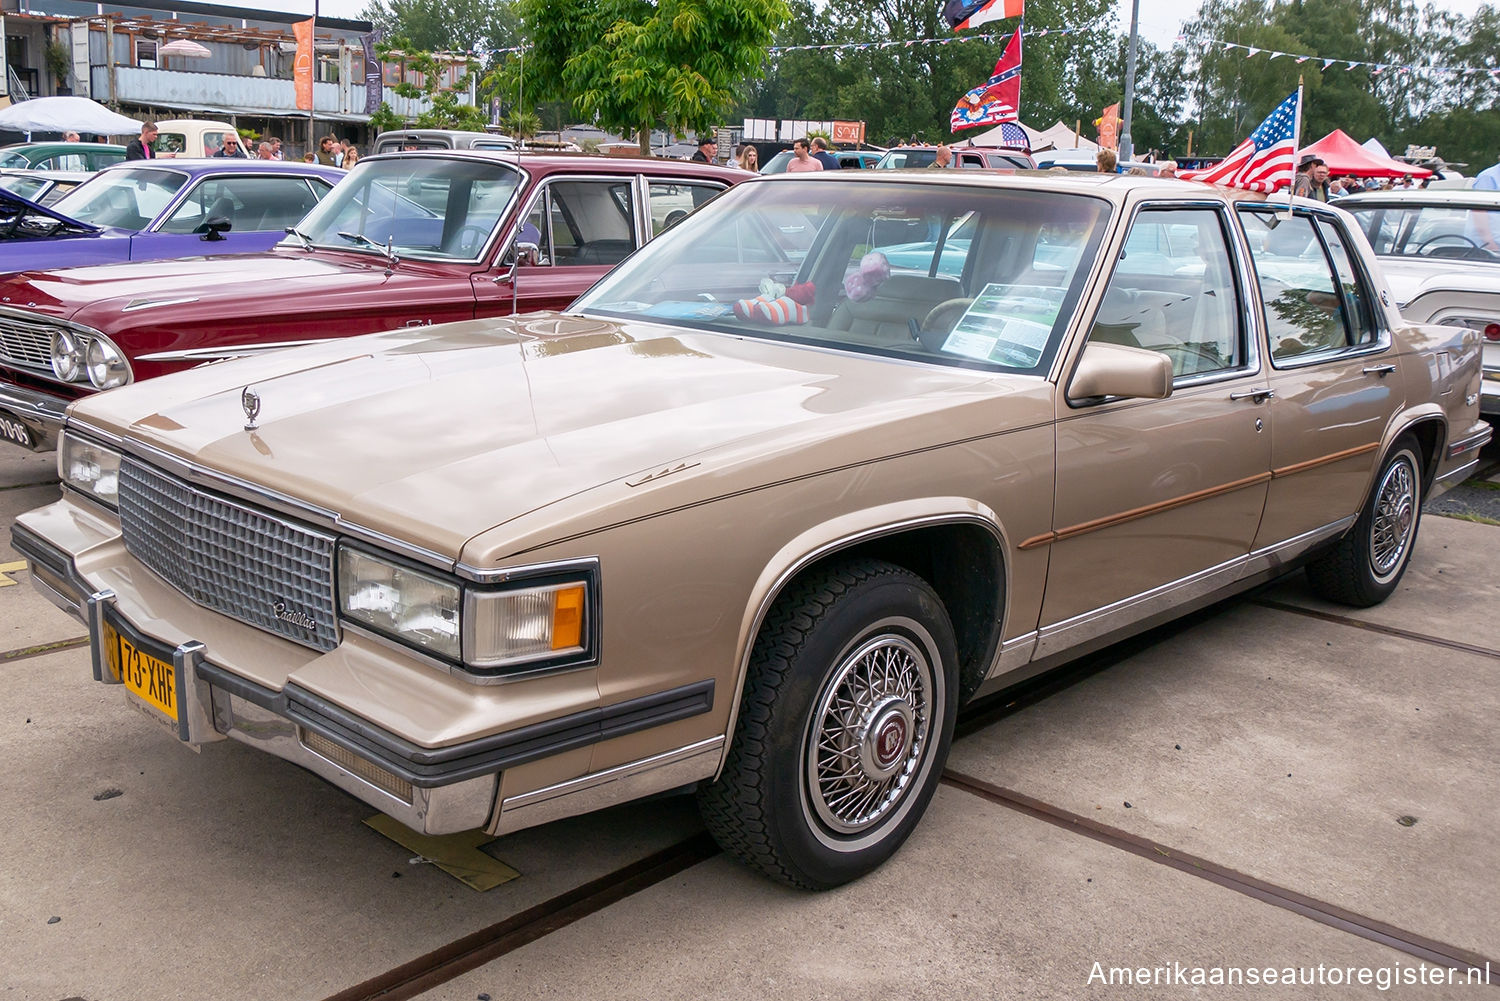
(999,100)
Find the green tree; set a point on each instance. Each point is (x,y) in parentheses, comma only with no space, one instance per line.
(447,25)
(444,109)
(676,64)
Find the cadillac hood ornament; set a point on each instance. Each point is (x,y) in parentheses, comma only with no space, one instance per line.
(250,401)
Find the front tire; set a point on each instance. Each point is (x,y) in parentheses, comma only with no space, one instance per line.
(844,727)
(1367,564)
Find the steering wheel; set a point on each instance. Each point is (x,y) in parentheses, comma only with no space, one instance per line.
(1422,247)
(471,237)
(939,323)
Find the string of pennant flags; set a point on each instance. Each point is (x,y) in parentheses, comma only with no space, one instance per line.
(1223,46)
(1347,64)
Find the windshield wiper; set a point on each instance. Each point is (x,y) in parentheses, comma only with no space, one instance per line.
(294,231)
(365,241)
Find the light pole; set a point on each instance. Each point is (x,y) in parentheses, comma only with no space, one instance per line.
(1127,145)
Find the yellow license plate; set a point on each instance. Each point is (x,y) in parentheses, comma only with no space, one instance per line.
(147,677)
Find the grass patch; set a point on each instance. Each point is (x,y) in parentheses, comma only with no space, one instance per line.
(1478,519)
(1482,485)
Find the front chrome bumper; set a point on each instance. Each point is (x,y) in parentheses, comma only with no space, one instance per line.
(41,413)
(432,791)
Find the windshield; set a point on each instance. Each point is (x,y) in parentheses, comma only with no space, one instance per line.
(979,277)
(126,199)
(1454,232)
(25,185)
(422,206)
(10,158)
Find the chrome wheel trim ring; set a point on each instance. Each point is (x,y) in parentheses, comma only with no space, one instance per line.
(1395,519)
(883,691)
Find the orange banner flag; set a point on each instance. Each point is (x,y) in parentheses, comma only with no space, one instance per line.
(302,72)
(1109,126)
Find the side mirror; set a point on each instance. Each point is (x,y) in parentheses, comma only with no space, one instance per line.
(1116,370)
(214,228)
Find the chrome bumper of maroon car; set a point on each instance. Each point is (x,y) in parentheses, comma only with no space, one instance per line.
(38,415)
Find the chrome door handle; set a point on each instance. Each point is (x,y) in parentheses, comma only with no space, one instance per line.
(1254,394)
(1380,370)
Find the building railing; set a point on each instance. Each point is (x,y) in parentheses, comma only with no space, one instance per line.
(234,94)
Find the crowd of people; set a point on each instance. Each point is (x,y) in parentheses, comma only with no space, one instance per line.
(332,151)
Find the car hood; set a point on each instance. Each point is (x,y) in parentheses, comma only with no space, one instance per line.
(90,295)
(436,436)
(12,202)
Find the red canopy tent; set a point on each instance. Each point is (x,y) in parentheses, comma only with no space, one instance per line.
(1345,156)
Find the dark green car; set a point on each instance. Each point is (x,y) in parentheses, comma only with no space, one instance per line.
(60,156)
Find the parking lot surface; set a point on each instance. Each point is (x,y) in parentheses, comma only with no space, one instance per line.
(1196,787)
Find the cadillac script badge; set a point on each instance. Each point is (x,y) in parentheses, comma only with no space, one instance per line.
(250,400)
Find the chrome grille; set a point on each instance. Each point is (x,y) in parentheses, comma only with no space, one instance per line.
(249,565)
(27,342)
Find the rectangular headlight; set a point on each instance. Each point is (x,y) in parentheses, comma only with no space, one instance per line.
(90,468)
(524,625)
(418,608)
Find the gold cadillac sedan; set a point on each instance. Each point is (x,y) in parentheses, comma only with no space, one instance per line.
(752,518)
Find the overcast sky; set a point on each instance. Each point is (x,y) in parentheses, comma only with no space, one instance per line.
(1157,23)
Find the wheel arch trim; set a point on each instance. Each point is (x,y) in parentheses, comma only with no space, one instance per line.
(845,532)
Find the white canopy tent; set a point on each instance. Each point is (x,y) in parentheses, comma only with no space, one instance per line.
(1058,136)
(62,114)
(1373,145)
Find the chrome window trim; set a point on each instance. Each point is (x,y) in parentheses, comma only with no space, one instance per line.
(1384,337)
(1252,328)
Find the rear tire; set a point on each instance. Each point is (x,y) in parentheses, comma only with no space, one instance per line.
(1367,564)
(844,727)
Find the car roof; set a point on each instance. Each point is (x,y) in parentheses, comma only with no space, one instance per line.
(62,147)
(198,166)
(534,161)
(1423,196)
(1115,187)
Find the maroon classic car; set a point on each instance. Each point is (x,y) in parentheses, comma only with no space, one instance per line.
(407,239)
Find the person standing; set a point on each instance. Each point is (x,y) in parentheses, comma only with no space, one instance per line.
(351,157)
(749,159)
(139,148)
(263,151)
(820,151)
(708,150)
(1106,162)
(325,154)
(276,153)
(71,137)
(1485,225)
(1167,168)
(802,161)
(1312,179)
(943,158)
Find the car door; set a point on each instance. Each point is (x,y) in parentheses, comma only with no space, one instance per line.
(1158,501)
(258,209)
(582,227)
(1334,388)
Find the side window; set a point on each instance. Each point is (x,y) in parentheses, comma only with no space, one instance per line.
(70,161)
(592,222)
(672,200)
(1355,303)
(1173,291)
(251,204)
(1306,310)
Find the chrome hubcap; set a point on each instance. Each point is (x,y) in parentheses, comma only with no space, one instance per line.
(870,731)
(1395,518)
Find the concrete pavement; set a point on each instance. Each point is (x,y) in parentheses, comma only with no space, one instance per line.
(231,875)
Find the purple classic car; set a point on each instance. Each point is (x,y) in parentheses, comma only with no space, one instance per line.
(138,211)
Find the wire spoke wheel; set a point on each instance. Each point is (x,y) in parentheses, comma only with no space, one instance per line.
(1395,518)
(870,731)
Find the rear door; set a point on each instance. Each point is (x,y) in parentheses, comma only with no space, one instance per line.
(1335,388)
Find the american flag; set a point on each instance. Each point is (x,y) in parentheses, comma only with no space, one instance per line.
(1264,162)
